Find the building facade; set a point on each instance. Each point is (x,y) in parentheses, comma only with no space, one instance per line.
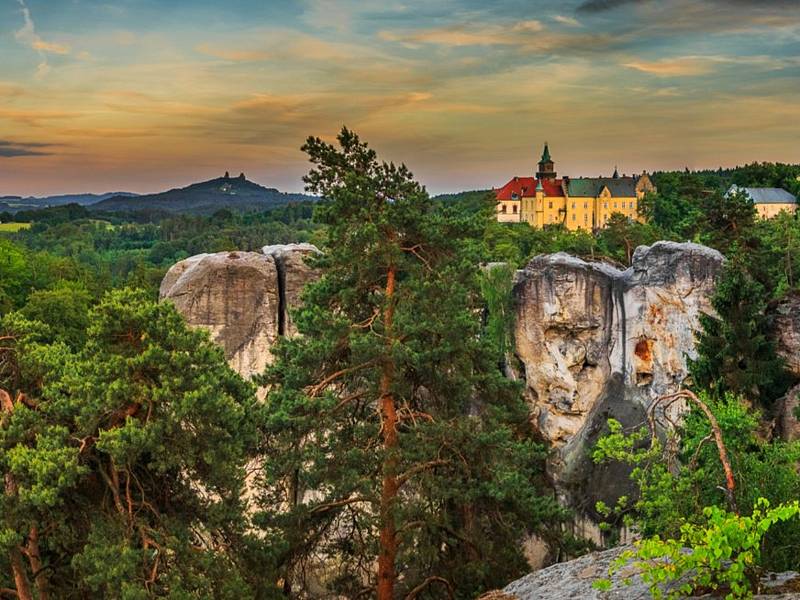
(580,203)
(769,202)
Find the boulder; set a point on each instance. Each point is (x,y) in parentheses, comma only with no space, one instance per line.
(235,296)
(243,298)
(595,342)
(574,579)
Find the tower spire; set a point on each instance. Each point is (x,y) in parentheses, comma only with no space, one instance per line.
(546,167)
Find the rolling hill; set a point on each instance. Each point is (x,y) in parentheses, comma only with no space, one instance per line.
(207,197)
(16,203)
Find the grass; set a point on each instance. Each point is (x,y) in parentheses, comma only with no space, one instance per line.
(13,227)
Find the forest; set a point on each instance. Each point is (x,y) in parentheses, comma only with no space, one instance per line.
(391,457)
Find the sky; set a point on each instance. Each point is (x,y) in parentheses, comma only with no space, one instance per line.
(144,95)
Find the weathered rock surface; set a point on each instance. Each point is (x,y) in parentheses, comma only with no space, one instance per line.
(786,330)
(294,273)
(787,425)
(595,342)
(574,579)
(235,296)
(242,298)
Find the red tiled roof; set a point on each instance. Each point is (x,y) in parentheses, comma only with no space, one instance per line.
(525,187)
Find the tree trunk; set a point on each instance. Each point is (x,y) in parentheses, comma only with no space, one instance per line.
(35,558)
(15,555)
(20,576)
(388,527)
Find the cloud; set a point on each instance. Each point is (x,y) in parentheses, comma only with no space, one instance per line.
(594,6)
(329,14)
(463,35)
(691,66)
(9,149)
(675,67)
(565,20)
(34,117)
(27,35)
(599,6)
(10,90)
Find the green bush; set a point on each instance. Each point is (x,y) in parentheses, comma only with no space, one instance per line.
(721,555)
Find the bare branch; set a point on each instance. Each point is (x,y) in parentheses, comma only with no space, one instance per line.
(730,483)
(401,479)
(316,389)
(429,581)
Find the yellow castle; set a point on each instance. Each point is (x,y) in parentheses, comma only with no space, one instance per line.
(580,203)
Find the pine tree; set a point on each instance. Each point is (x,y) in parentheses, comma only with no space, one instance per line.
(391,436)
(123,461)
(735,353)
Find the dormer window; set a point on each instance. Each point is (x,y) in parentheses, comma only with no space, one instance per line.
(514,196)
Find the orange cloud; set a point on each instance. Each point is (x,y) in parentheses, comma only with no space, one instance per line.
(676,67)
(462,35)
(52,47)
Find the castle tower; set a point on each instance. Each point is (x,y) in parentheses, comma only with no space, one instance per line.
(546,165)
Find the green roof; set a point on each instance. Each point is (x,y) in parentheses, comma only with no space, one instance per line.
(621,187)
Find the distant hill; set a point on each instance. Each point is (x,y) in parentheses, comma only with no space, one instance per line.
(470,201)
(207,197)
(17,203)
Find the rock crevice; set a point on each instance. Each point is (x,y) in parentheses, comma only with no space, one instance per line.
(243,299)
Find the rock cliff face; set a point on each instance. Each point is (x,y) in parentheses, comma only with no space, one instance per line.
(242,298)
(786,330)
(293,274)
(594,342)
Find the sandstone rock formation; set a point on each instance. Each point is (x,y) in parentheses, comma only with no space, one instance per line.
(785,317)
(294,273)
(595,342)
(787,425)
(242,298)
(786,330)
(574,579)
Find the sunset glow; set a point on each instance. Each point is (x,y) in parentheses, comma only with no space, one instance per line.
(142,95)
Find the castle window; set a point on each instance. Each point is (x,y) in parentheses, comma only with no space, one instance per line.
(573,205)
(515,209)
(615,205)
(631,204)
(585,218)
(573,216)
(550,204)
(503,208)
(605,205)
(585,205)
